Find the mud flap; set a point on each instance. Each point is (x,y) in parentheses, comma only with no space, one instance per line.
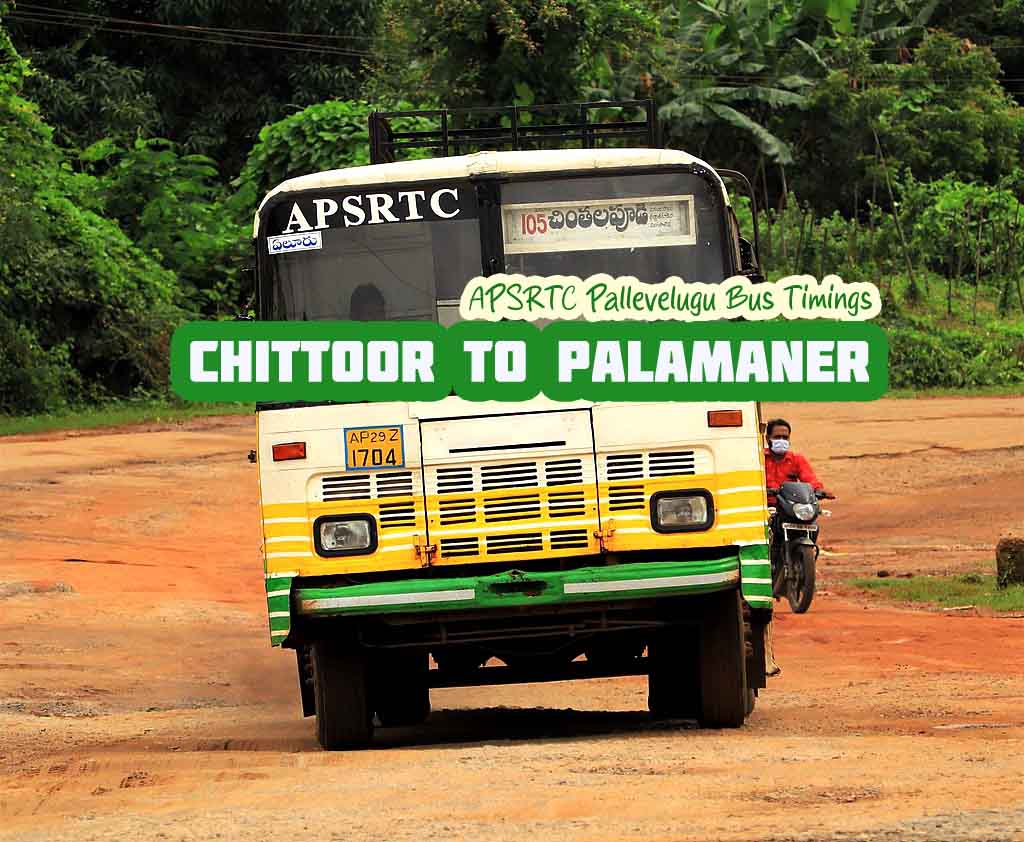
(771,667)
(761,663)
(757,665)
(305,665)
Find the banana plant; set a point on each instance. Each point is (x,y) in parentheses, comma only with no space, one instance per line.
(733,64)
(730,67)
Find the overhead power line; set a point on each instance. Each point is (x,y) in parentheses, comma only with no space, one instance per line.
(41,8)
(40,14)
(252,43)
(64,13)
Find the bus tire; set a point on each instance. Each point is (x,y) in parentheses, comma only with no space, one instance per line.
(723,662)
(343,716)
(673,682)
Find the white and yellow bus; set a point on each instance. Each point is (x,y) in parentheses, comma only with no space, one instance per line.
(410,546)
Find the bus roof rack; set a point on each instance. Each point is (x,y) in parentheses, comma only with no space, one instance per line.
(513,127)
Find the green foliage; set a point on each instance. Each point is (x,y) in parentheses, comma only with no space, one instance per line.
(924,355)
(966,228)
(328,136)
(83,312)
(957,232)
(171,206)
(90,98)
(211,92)
(942,113)
(885,152)
(475,52)
(32,379)
(725,71)
(962,241)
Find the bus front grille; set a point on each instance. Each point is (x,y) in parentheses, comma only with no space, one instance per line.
(520,507)
(366,486)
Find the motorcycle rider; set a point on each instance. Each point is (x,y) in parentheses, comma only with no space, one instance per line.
(783,465)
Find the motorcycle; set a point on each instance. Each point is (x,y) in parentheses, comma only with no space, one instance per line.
(794,542)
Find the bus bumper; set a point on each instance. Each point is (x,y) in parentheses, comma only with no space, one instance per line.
(516,588)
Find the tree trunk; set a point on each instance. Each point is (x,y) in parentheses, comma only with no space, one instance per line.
(852,251)
(1010,562)
(871,222)
(767,228)
(782,215)
(1014,267)
(823,257)
(977,271)
(895,212)
(799,261)
(959,260)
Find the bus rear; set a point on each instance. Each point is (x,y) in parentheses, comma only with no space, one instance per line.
(410,546)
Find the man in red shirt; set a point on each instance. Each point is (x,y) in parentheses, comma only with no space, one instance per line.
(783,465)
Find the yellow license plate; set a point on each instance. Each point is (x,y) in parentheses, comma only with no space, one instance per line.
(374,448)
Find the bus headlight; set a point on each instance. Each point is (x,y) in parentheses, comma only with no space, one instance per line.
(336,535)
(681,511)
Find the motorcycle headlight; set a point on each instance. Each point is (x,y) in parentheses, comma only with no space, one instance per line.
(345,536)
(804,511)
(680,512)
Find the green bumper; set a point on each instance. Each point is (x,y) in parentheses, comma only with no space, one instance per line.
(514,588)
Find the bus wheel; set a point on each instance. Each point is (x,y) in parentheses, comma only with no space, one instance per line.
(723,673)
(343,717)
(400,692)
(673,684)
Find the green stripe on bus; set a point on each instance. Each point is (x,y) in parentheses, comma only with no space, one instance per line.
(514,588)
(753,589)
(753,552)
(278,603)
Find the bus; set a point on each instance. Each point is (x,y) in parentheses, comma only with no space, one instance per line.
(410,546)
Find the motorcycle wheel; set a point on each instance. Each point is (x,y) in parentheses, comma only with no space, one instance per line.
(800,587)
(778,579)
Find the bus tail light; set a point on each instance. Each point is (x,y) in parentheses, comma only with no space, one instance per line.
(725,418)
(291,450)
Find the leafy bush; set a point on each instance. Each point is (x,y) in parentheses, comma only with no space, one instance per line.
(942,112)
(931,357)
(485,52)
(328,136)
(83,311)
(32,379)
(172,207)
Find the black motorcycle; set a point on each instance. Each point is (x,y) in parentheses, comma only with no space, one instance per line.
(794,542)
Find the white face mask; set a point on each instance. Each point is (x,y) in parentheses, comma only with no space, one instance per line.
(779,446)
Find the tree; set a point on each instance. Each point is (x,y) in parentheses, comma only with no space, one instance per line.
(83,312)
(994,23)
(497,52)
(727,67)
(328,136)
(943,112)
(209,88)
(172,207)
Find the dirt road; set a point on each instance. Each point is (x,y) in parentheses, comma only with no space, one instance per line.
(139,698)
